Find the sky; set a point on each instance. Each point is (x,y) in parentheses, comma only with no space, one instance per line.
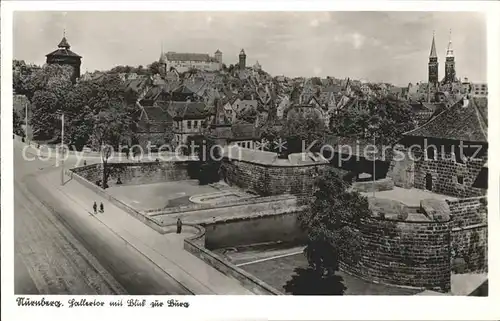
(375,46)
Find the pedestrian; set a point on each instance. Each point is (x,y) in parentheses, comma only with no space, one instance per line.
(84,162)
(179,225)
(95,208)
(102,208)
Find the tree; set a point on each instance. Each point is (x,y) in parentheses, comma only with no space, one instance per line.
(155,68)
(302,129)
(330,222)
(247,115)
(16,124)
(387,118)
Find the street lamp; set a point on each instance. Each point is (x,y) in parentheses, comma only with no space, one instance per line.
(62,148)
(374,128)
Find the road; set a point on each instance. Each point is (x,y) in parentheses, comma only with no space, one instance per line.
(57,253)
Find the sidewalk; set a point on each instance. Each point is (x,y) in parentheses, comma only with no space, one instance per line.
(165,250)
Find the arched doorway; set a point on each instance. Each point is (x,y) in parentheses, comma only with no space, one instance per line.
(428,182)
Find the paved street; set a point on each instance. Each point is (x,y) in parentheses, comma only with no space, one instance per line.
(58,254)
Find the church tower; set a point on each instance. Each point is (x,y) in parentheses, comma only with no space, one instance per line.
(243,59)
(433,64)
(449,74)
(163,62)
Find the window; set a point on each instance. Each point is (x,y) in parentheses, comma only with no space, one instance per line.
(189,124)
(195,124)
(460,179)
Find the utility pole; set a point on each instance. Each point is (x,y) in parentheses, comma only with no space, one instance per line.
(62,149)
(374,159)
(26,123)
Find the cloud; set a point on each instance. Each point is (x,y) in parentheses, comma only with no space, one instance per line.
(357,40)
(290,43)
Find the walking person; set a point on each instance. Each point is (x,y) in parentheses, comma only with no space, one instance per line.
(179,225)
(101,208)
(95,208)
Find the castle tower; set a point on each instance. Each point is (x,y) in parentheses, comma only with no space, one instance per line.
(243,59)
(449,74)
(218,56)
(64,56)
(433,64)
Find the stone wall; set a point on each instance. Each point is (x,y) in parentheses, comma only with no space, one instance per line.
(402,168)
(240,209)
(445,173)
(196,246)
(246,231)
(270,180)
(469,234)
(139,173)
(414,252)
(385,184)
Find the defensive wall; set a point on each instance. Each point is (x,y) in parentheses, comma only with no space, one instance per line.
(400,247)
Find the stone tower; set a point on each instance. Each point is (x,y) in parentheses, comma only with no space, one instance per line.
(449,70)
(433,65)
(64,56)
(243,59)
(218,56)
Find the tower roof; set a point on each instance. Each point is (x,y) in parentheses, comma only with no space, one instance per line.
(218,51)
(449,51)
(242,52)
(63,50)
(64,44)
(433,53)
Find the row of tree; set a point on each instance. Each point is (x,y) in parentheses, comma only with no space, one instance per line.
(96,112)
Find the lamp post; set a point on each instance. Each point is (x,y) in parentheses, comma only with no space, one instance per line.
(374,128)
(62,149)
(26,123)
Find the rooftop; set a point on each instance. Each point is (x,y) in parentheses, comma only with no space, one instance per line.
(465,121)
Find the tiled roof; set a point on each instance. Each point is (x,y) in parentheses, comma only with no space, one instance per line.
(333,88)
(64,43)
(187,110)
(62,52)
(174,56)
(135,84)
(157,114)
(460,123)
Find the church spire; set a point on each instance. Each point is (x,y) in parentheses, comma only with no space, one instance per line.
(433,53)
(449,51)
(162,55)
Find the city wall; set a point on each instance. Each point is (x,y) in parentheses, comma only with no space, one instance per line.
(140,173)
(271,179)
(444,172)
(406,251)
(469,234)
